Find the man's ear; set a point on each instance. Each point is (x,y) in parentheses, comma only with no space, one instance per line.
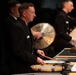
(24,13)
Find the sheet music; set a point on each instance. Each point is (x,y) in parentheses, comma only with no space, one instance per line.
(74,68)
(53,61)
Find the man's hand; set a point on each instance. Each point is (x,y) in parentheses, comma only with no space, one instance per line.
(37,35)
(41,53)
(73,50)
(40,61)
(74,40)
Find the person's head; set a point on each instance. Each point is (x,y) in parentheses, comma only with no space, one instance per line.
(13,6)
(27,12)
(67,5)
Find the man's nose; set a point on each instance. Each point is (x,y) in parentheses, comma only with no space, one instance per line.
(73,7)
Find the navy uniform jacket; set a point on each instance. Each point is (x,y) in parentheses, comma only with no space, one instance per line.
(62,39)
(21,50)
(8,23)
(63,22)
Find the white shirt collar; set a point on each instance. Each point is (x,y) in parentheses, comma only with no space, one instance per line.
(14,17)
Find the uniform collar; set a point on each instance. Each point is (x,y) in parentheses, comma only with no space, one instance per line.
(14,17)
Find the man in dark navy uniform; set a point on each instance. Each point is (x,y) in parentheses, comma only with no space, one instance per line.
(63,22)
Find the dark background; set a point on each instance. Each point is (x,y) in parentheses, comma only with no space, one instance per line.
(46,11)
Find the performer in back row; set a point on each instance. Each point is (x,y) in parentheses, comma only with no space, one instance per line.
(63,22)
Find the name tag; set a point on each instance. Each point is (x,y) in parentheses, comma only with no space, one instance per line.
(67,22)
(28,36)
